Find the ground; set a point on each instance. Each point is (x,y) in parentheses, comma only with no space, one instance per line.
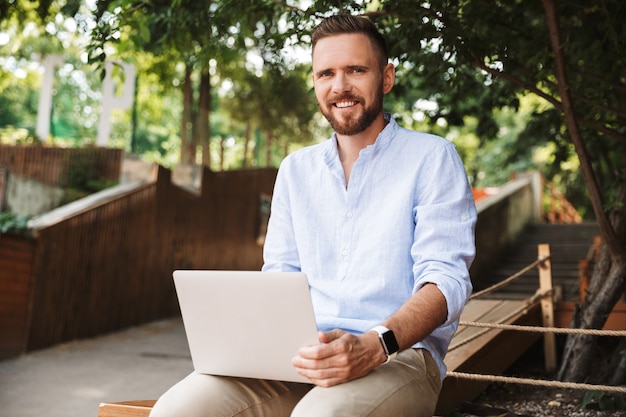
(515,400)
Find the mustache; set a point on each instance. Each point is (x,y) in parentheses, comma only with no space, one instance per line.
(342,97)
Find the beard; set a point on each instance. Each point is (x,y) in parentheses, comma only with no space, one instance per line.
(349,126)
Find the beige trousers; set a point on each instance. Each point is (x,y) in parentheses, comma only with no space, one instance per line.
(408,386)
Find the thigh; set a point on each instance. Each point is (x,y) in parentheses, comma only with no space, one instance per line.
(407,387)
(200,395)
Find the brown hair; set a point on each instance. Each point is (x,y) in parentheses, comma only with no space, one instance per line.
(344,24)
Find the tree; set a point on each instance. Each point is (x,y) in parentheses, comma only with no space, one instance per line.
(31,34)
(473,57)
(469,58)
(24,11)
(218,31)
(572,56)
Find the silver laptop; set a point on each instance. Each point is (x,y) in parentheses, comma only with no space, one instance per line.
(246,323)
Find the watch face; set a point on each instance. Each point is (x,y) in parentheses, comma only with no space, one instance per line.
(390,342)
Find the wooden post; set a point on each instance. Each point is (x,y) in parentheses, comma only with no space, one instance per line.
(547,306)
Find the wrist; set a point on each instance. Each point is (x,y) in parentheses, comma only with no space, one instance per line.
(387,341)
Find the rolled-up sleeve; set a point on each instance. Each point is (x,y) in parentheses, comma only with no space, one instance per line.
(445,217)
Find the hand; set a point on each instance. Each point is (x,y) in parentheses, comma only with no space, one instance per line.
(340,358)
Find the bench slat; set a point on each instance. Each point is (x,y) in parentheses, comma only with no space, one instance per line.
(140,408)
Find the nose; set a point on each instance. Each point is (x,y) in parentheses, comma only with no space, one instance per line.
(341,83)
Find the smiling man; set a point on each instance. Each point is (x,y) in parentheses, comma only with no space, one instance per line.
(350,89)
(381,220)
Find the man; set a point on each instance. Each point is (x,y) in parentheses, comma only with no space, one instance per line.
(381,219)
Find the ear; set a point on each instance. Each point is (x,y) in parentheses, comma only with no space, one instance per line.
(389,77)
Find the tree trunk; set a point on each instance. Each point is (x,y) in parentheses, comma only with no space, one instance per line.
(605,289)
(246,145)
(606,286)
(619,364)
(268,149)
(204,111)
(222,151)
(609,275)
(187,149)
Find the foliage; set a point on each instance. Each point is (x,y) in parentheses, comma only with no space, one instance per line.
(517,85)
(81,170)
(459,64)
(238,30)
(598,400)
(445,54)
(75,94)
(82,176)
(13,223)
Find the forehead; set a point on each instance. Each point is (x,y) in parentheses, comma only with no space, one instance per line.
(342,50)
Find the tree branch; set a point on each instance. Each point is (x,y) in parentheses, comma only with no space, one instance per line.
(552,100)
(589,175)
(527,86)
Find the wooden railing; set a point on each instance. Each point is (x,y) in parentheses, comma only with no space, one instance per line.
(104,263)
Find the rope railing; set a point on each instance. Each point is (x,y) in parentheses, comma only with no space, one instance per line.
(536,382)
(530,302)
(537,329)
(538,297)
(510,279)
(486,330)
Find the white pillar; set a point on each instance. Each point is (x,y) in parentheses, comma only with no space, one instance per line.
(50,63)
(111,101)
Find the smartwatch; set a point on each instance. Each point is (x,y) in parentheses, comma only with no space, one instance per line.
(388,340)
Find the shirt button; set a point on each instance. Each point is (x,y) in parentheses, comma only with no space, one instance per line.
(349,214)
(464,218)
(344,252)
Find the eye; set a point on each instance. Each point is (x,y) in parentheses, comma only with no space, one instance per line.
(358,70)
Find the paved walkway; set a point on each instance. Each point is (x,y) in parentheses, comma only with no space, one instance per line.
(72,379)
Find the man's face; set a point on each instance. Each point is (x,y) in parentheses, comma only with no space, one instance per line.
(349,83)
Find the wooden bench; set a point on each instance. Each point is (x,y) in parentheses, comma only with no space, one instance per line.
(126,409)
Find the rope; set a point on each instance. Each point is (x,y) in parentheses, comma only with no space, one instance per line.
(500,325)
(523,309)
(536,382)
(509,279)
(484,331)
(536,329)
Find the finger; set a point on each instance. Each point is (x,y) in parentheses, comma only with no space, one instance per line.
(329,382)
(318,376)
(326,349)
(326,377)
(327,337)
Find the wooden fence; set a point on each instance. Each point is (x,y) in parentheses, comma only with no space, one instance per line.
(16,272)
(55,166)
(107,264)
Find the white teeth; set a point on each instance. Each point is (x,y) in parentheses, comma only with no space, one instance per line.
(344,104)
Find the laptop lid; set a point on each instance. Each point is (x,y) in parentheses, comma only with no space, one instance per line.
(246,323)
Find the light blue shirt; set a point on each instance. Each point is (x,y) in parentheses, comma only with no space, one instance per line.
(406,219)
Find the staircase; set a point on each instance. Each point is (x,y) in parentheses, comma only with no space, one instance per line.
(569,244)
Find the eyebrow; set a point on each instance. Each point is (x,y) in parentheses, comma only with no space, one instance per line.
(347,67)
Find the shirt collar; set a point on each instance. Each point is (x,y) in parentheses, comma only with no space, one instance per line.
(382,141)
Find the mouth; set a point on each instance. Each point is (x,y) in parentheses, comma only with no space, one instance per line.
(344,104)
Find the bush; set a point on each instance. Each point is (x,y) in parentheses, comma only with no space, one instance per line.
(13,223)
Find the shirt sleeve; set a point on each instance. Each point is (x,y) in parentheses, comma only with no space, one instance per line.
(445,217)
(280,252)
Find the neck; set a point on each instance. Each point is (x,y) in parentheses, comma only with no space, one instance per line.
(349,147)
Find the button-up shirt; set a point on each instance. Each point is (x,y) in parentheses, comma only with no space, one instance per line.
(406,219)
